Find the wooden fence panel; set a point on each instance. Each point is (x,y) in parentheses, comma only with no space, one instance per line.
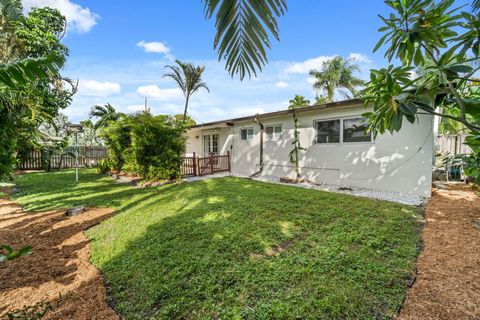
(87,156)
(453,144)
(188,166)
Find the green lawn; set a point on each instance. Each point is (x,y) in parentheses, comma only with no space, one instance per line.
(234,248)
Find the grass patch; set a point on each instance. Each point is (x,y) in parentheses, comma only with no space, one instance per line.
(233,248)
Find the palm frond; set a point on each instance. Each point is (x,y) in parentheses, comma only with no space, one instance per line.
(336,73)
(189,79)
(105,114)
(177,74)
(243,28)
(476,5)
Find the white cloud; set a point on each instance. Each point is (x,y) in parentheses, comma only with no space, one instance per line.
(208,114)
(155,47)
(134,108)
(156,93)
(359,57)
(281,84)
(241,112)
(96,88)
(248,98)
(307,65)
(79,19)
(316,63)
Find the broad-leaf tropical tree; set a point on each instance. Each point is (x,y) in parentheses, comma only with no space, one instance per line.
(336,74)
(296,103)
(189,121)
(31,88)
(188,77)
(20,96)
(19,104)
(105,114)
(444,43)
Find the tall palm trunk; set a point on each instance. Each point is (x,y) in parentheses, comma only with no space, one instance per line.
(185,110)
(330,93)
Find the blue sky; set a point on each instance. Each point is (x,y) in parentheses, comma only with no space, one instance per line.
(118,50)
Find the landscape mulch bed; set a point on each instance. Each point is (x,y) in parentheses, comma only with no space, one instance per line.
(57,277)
(447,285)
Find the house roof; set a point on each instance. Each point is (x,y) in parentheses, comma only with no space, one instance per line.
(315,107)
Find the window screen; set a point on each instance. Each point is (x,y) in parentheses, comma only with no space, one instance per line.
(328,131)
(354,130)
(246,133)
(273,131)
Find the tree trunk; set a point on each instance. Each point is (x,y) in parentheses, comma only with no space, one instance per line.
(185,111)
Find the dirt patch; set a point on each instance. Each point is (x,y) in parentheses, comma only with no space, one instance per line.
(448,279)
(57,275)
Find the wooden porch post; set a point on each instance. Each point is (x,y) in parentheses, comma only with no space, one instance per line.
(194,165)
(228,160)
(211,163)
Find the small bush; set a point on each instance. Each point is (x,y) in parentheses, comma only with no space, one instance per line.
(146,145)
(104,166)
(117,137)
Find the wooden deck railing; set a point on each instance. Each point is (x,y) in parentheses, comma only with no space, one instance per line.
(201,166)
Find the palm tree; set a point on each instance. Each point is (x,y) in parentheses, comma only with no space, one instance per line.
(188,78)
(335,74)
(296,103)
(105,113)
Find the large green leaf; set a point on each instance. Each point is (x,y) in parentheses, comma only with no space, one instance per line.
(243,30)
(17,74)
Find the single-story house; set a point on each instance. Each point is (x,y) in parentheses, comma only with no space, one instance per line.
(338,150)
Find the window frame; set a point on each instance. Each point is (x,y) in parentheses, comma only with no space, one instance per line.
(273,126)
(341,142)
(355,142)
(316,131)
(210,136)
(248,137)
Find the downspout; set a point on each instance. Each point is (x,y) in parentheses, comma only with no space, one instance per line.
(261,149)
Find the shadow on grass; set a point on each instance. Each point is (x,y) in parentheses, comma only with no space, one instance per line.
(230,247)
(214,253)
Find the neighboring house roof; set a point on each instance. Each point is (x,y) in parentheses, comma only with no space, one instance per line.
(316,107)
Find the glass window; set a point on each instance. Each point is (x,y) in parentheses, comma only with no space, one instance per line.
(273,131)
(246,133)
(215,138)
(206,144)
(328,131)
(355,130)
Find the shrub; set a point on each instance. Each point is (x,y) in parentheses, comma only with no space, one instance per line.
(104,166)
(147,145)
(117,137)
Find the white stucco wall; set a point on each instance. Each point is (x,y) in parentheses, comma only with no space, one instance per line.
(400,162)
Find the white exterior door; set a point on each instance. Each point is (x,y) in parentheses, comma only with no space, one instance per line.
(211,143)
